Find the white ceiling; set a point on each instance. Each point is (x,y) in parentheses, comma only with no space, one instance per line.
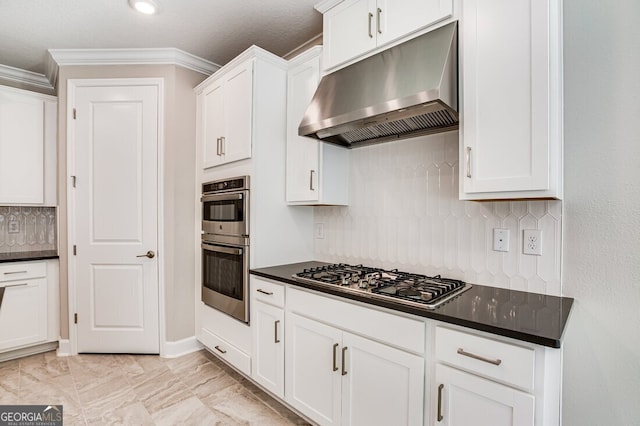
(216,30)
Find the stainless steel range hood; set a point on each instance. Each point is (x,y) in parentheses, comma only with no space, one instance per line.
(405,91)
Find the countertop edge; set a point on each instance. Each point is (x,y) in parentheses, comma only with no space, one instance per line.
(29,256)
(547,341)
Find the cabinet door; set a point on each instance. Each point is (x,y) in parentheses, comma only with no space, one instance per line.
(302,152)
(505,76)
(397,18)
(312,370)
(470,400)
(268,337)
(381,385)
(238,101)
(211,103)
(21,148)
(349,31)
(23,313)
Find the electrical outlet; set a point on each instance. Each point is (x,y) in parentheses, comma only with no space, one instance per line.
(320,231)
(532,242)
(500,239)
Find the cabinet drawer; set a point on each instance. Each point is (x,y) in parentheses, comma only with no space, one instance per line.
(364,321)
(23,313)
(267,291)
(225,350)
(22,271)
(494,359)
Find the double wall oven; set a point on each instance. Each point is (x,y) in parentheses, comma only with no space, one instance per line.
(225,246)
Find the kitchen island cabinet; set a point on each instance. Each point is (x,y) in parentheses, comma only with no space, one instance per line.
(28,126)
(352,28)
(511,85)
(317,172)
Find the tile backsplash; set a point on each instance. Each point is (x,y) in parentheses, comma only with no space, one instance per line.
(404,213)
(27,229)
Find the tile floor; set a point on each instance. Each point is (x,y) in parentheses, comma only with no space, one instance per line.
(195,389)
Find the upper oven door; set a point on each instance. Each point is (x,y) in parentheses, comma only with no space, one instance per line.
(226,214)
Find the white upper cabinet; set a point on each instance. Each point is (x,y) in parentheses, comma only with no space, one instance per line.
(511,86)
(317,172)
(225,115)
(27,147)
(354,27)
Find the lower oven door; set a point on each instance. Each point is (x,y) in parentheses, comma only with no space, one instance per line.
(225,279)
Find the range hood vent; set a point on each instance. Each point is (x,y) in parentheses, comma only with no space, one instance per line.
(405,91)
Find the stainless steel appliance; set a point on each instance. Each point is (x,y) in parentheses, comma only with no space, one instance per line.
(401,287)
(407,90)
(225,246)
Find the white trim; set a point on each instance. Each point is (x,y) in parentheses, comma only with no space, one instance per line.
(325,5)
(25,77)
(299,51)
(181,347)
(72,84)
(27,351)
(151,56)
(305,56)
(64,347)
(250,53)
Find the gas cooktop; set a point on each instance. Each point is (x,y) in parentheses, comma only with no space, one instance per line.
(401,287)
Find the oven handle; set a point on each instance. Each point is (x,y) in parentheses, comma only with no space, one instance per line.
(222,249)
(222,197)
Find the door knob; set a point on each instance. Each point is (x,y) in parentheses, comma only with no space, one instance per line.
(150,254)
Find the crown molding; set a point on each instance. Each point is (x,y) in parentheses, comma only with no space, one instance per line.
(25,77)
(325,5)
(152,56)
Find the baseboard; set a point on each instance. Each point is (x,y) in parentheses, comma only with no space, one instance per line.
(64,347)
(31,350)
(180,347)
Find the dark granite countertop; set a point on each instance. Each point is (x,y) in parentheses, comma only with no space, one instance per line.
(529,317)
(24,256)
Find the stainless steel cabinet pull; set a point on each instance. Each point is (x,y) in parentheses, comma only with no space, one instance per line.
(311,173)
(218,146)
(275,332)
(440,402)
(222,351)
(335,346)
(370,18)
(15,272)
(150,254)
(344,369)
(223,147)
(16,285)
(468,161)
(268,293)
(378,21)
(479,358)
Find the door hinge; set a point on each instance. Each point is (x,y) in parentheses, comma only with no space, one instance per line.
(75,318)
(73,181)
(74,113)
(75,250)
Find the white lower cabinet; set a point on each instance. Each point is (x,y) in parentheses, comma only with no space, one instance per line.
(483,380)
(337,377)
(466,399)
(268,348)
(29,310)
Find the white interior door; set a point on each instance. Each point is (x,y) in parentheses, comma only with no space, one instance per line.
(115,148)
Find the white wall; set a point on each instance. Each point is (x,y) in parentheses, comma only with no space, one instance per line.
(404,213)
(601,267)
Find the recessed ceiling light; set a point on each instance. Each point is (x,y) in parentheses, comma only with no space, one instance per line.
(148,7)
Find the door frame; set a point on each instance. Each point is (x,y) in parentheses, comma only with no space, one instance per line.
(72,85)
